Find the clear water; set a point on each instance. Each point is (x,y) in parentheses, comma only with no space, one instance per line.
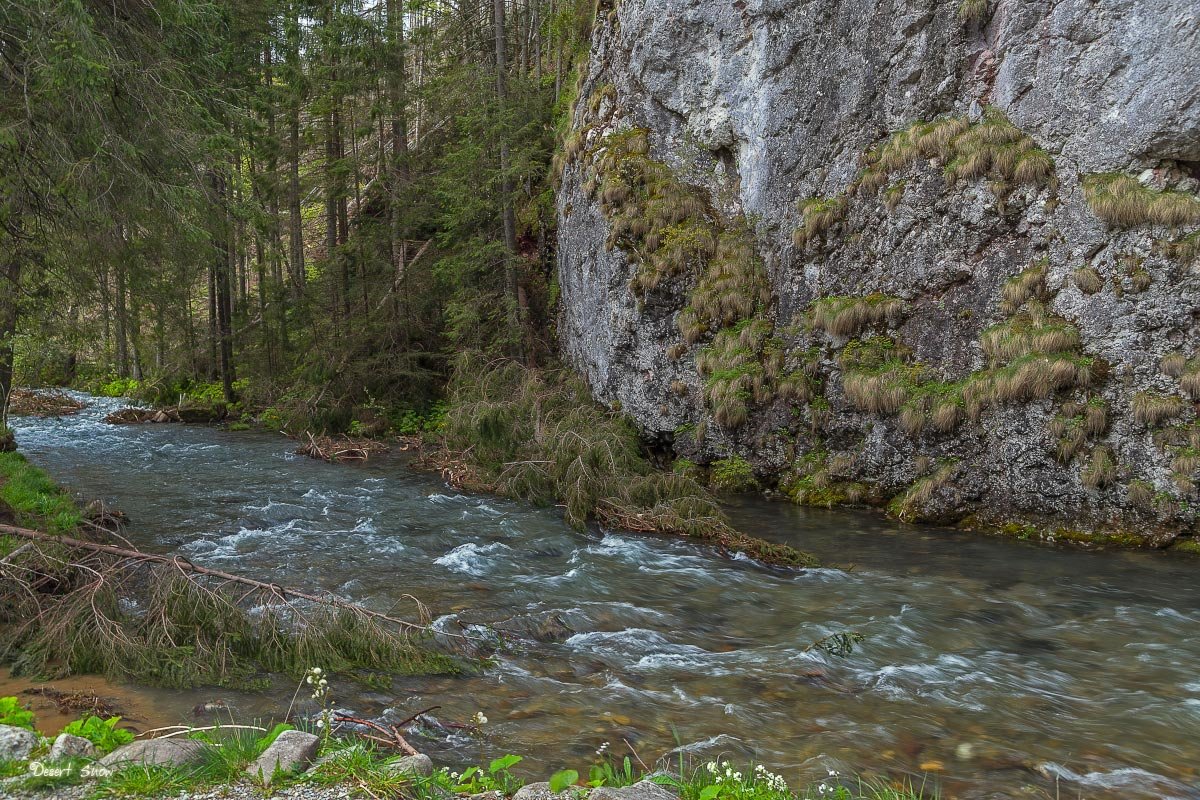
(1003,669)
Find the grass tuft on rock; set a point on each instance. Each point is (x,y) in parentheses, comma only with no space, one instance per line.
(848,315)
(1123,202)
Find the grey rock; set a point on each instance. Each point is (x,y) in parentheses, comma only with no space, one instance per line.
(291,751)
(69,746)
(492,795)
(420,765)
(540,791)
(764,103)
(16,743)
(156,753)
(642,790)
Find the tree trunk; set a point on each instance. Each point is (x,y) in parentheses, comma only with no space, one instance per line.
(222,280)
(507,213)
(10,277)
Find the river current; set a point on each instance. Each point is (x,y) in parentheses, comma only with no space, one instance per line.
(997,668)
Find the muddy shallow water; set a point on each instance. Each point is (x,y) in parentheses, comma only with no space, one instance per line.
(1003,668)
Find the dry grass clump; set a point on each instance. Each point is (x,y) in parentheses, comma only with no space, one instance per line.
(997,149)
(1031,331)
(893,195)
(818,216)
(1095,417)
(910,505)
(992,148)
(537,436)
(1185,249)
(845,315)
(921,140)
(1088,280)
(1029,284)
(740,368)
(1140,494)
(1100,470)
(661,222)
(970,11)
(1173,364)
(733,287)
(876,375)
(1122,202)
(1187,370)
(1153,408)
(1186,461)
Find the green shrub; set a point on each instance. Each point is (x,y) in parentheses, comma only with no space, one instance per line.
(13,713)
(103,733)
(733,474)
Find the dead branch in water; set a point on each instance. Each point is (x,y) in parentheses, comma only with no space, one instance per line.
(46,403)
(338,449)
(391,736)
(141,416)
(69,606)
(183,565)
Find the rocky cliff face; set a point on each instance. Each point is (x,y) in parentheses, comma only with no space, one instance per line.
(933,256)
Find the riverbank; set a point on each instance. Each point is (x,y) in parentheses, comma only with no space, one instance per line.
(281,761)
(980,653)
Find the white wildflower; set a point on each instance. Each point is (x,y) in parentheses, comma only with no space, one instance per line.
(479,718)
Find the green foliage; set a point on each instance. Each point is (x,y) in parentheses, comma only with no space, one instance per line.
(103,733)
(37,500)
(733,474)
(13,713)
(495,778)
(563,779)
(362,768)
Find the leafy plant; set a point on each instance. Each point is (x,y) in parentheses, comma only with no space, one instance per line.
(103,733)
(13,713)
(564,779)
(496,777)
(608,774)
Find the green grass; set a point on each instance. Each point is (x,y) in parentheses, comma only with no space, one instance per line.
(34,498)
(733,474)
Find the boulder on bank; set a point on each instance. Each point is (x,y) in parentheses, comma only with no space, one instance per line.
(642,790)
(419,765)
(70,746)
(16,743)
(156,753)
(291,751)
(541,791)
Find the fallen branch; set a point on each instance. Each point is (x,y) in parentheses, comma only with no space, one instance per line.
(185,566)
(26,403)
(395,739)
(328,448)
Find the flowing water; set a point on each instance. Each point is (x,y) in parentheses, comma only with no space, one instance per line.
(1002,668)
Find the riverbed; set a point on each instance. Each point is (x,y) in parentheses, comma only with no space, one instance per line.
(998,668)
